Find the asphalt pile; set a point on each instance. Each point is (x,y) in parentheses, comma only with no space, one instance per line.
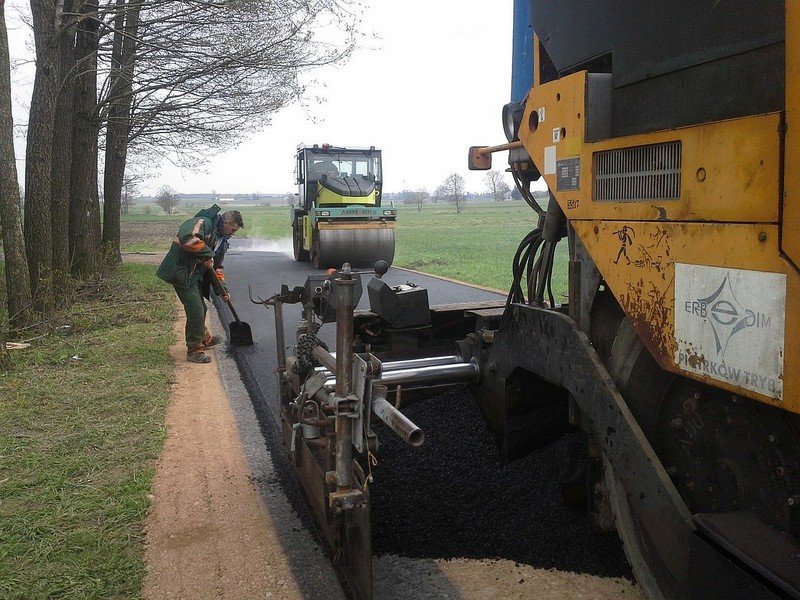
(452,498)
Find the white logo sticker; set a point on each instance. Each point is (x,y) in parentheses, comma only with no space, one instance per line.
(730,325)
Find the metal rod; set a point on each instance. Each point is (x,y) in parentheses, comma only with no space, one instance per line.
(280,339)
(455,373)
(397,421)
(412,363)
(324,357)
(343,288)
(499,148)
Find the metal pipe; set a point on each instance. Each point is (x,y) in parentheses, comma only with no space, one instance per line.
(413,363)
(324,357)
(343,288)
(344,333)
(397,421)
(280,340)
(498,148)
(464,372)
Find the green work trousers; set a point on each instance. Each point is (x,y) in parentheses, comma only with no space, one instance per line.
(195,307)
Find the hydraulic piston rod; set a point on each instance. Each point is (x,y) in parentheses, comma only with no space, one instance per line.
(395,365)
(462,372)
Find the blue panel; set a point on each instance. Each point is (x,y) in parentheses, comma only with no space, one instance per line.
(522,51)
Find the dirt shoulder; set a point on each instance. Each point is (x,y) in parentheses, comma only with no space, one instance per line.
(208,535)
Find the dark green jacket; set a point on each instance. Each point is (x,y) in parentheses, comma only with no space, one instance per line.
(195,242)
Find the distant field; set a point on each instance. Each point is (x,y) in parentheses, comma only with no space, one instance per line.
(476,246)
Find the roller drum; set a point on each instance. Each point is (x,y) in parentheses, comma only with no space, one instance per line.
(360,247)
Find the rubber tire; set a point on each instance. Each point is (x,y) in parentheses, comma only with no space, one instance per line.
(300,254)
(315,254)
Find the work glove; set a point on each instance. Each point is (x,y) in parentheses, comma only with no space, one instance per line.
(226,295)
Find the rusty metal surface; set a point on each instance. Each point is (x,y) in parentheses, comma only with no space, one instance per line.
(637,260)
(347,534)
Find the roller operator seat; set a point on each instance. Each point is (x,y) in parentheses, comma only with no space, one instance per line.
(325,167)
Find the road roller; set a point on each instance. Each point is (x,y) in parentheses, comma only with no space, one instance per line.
(668,138)
(339,216)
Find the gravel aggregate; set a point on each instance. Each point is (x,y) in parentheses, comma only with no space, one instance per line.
(452,498)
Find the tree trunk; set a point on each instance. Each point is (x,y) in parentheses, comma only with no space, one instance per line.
(84,213)
(18,284)
(122,65)
(62,165)
(38,156)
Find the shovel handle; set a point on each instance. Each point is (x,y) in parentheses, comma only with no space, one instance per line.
(219,291)
(233,310)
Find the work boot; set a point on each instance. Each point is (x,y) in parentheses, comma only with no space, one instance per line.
(213,341)
(198,357)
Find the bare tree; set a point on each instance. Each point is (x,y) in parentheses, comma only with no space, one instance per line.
(61,166)
(167,198)
(84,222)
(46,17)
(418,197)
(191,79)
(130,187)
(123,57)
(18,286)
(496,185)
(452,190)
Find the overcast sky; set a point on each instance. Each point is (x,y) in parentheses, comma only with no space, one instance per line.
(429,85)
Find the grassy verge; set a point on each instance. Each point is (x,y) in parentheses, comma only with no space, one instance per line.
(81,423)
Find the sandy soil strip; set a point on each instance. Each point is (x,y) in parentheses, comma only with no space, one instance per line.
(208,534)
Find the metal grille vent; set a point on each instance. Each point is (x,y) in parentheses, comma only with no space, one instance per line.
(640,173)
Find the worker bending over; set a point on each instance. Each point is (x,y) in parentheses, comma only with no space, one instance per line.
(193,260)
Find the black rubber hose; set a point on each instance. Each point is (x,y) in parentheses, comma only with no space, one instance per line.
(521,259)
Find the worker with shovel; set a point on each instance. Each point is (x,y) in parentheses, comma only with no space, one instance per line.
(193,263)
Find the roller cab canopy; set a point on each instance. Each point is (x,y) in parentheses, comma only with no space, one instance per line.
(333,175)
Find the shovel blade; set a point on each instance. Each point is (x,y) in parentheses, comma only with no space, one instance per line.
(240,334)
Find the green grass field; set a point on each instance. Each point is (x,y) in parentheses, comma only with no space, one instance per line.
(81,425)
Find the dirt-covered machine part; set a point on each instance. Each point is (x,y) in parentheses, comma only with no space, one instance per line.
(339,215)
(669,147)
(328,400)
